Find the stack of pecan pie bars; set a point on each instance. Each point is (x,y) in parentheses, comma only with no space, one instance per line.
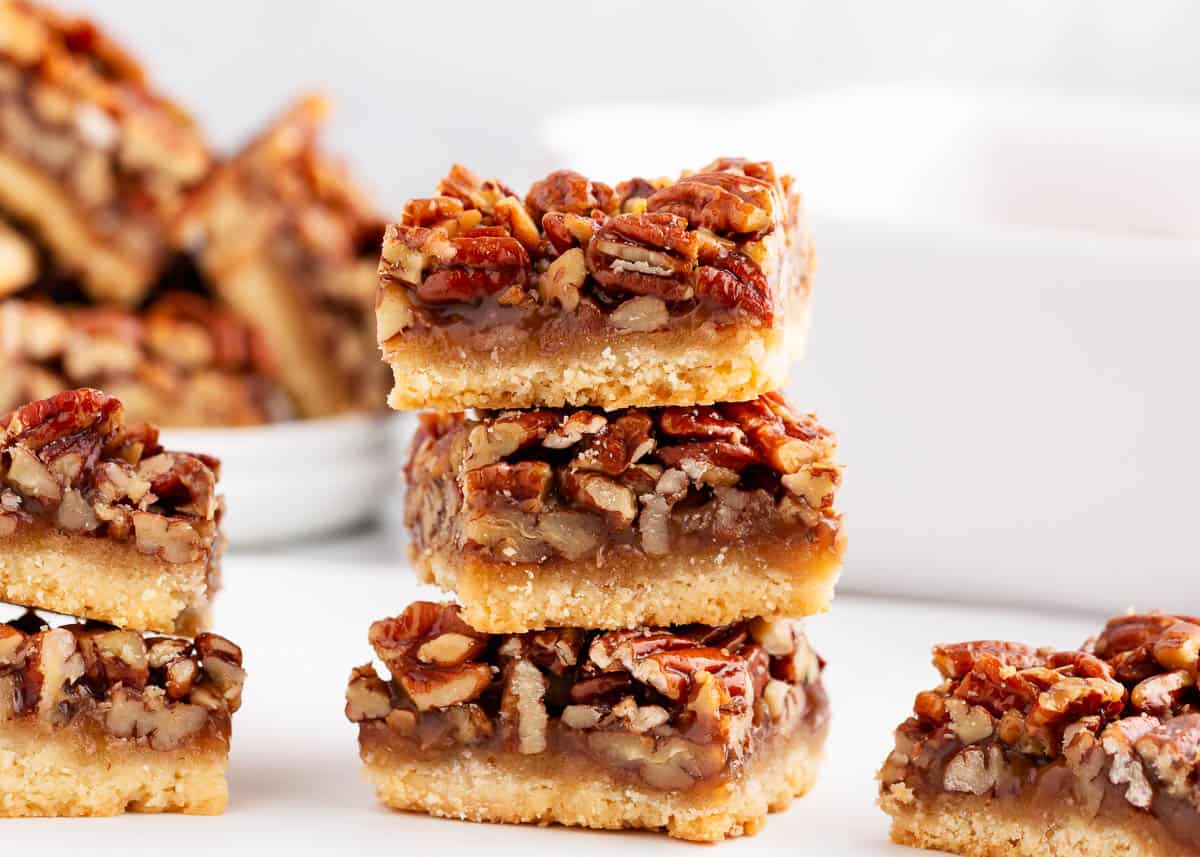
(201,291)
(632,520)
(99,522)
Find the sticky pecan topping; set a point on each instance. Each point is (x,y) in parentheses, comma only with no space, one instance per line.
(672,706)
(160,691)
(71,463)
(533,486)
(1122,714)
(581,248)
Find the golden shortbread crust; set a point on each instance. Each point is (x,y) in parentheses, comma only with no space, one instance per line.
(62,772)
(976,827)
(109,581)
(716,587)
(551,788)
(625,370)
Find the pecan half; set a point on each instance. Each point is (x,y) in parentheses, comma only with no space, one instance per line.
(644,254)
(721,201)
(730,279)
(776,433)
(699,422)
(415,637)
(568,192)
(525,482)
(68,413)
(601,494)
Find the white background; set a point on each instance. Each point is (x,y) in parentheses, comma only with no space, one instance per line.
(420,84)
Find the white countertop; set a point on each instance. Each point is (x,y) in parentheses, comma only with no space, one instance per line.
(302,620)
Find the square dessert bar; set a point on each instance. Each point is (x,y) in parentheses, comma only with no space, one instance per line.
(651,293)
(283,237)
(661,516)
(696,730)
(1027,751)
(182,361)
(92,160)
(99,721)
(98,521)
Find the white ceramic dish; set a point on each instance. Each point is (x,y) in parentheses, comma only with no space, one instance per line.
(303,479)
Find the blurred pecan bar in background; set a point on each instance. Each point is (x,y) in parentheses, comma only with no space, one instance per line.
(608,520)
(100,721)
(180,362)
(654,292)
(18,261)
(697,730)
(92,160)
(1040,752)
(291,245)
(97,520)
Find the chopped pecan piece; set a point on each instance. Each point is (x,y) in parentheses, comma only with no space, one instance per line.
(618,445)
(474,192)
(563,280)
(367,696)
(523,714)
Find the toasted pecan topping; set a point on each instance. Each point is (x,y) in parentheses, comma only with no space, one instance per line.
(1123,713)
(71,462)
(156,690)
(672,705)
(528,486)
(637,254)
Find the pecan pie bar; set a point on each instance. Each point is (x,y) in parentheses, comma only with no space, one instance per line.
(709,514)
(1040,752)
(99,721)
(651,293)
(92,160)
(288,242)
(180,362)
(97,520)
(697,730)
